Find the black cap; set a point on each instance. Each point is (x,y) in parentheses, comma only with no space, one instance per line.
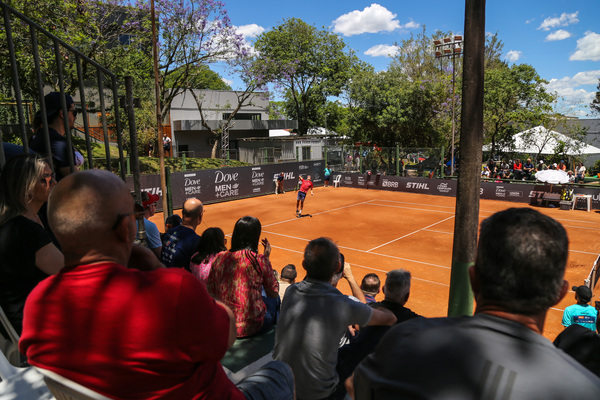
(583,292)
(52,101)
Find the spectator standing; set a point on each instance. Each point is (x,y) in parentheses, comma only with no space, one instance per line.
(212,242)
(27,254)
(180,242)
(304,187)
(314,316)
(370,286)
(167,145)
(124,332)
(153,239)
(56,128)
(500,351)
(580,173)
(288,277)
(238,276)
(280,183)
(327,174)
(581,313)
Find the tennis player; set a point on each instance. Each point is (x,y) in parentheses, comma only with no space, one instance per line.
(306,184)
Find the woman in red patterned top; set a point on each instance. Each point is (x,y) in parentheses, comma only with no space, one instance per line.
(238,276)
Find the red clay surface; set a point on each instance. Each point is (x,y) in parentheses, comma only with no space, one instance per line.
(379,231)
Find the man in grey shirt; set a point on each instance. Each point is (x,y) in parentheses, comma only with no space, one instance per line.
(500,352)
(313,318)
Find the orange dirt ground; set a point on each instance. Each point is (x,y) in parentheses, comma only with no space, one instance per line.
(379,231)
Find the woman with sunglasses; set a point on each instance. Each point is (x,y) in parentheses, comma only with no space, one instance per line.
(27,254)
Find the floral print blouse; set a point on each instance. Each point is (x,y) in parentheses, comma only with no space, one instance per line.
(237,278)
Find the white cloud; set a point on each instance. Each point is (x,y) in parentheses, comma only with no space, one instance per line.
(564,20)
(571,95)
(588,48)
(249,31)
(513,55)
(227,81)
(382,50)
(579,79)
(372,19)
(560,34)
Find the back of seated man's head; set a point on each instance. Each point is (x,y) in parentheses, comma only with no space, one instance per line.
(321,259)
(289,273)
(521,260)
(370,284)
(397,286)
(192,210)
(86,207)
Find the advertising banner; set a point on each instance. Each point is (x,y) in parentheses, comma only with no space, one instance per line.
(224,184)
(212,186)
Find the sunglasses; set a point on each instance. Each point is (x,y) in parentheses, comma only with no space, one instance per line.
(74,111)
(46,179)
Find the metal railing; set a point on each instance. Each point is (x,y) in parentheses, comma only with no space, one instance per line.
(85,83)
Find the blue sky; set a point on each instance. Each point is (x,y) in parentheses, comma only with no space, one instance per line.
(560,39)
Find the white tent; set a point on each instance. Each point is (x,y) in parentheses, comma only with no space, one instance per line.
(540,140)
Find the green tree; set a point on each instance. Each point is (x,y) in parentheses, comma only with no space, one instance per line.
(307,65)
(595,105)
(515,99)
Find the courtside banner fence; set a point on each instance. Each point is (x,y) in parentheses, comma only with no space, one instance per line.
(213,186)
(216,185)
(514,192)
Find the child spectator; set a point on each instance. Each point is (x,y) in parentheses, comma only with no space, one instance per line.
(211,243)
(288,276)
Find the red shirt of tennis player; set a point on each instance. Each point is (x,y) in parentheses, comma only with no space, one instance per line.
(306,185)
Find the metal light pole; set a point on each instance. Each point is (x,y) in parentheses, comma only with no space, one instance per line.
(450,47)
(159,142)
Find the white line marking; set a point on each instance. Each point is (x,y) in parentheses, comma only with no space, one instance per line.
(319,213)
(360,251)
(446,233)
(410,234)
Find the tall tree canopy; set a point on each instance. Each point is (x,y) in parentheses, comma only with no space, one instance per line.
(515,99)
(307,65)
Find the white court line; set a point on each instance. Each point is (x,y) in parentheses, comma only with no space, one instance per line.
(361,251)
(410,234)
(416,204)
(431,230)
(412,208)
(319,213)
(581,227)
(583,252)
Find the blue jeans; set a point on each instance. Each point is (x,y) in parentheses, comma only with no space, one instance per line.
(273,381)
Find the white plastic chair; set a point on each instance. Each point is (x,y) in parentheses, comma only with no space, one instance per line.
(13,335)
(21,383)
(65,389)
(336,181)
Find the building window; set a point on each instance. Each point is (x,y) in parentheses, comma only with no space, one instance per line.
(125,39)
(243,117)
(306,153)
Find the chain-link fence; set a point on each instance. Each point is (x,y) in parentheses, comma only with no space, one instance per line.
(387,160)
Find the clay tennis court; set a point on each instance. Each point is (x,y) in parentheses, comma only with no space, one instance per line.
(379,231)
